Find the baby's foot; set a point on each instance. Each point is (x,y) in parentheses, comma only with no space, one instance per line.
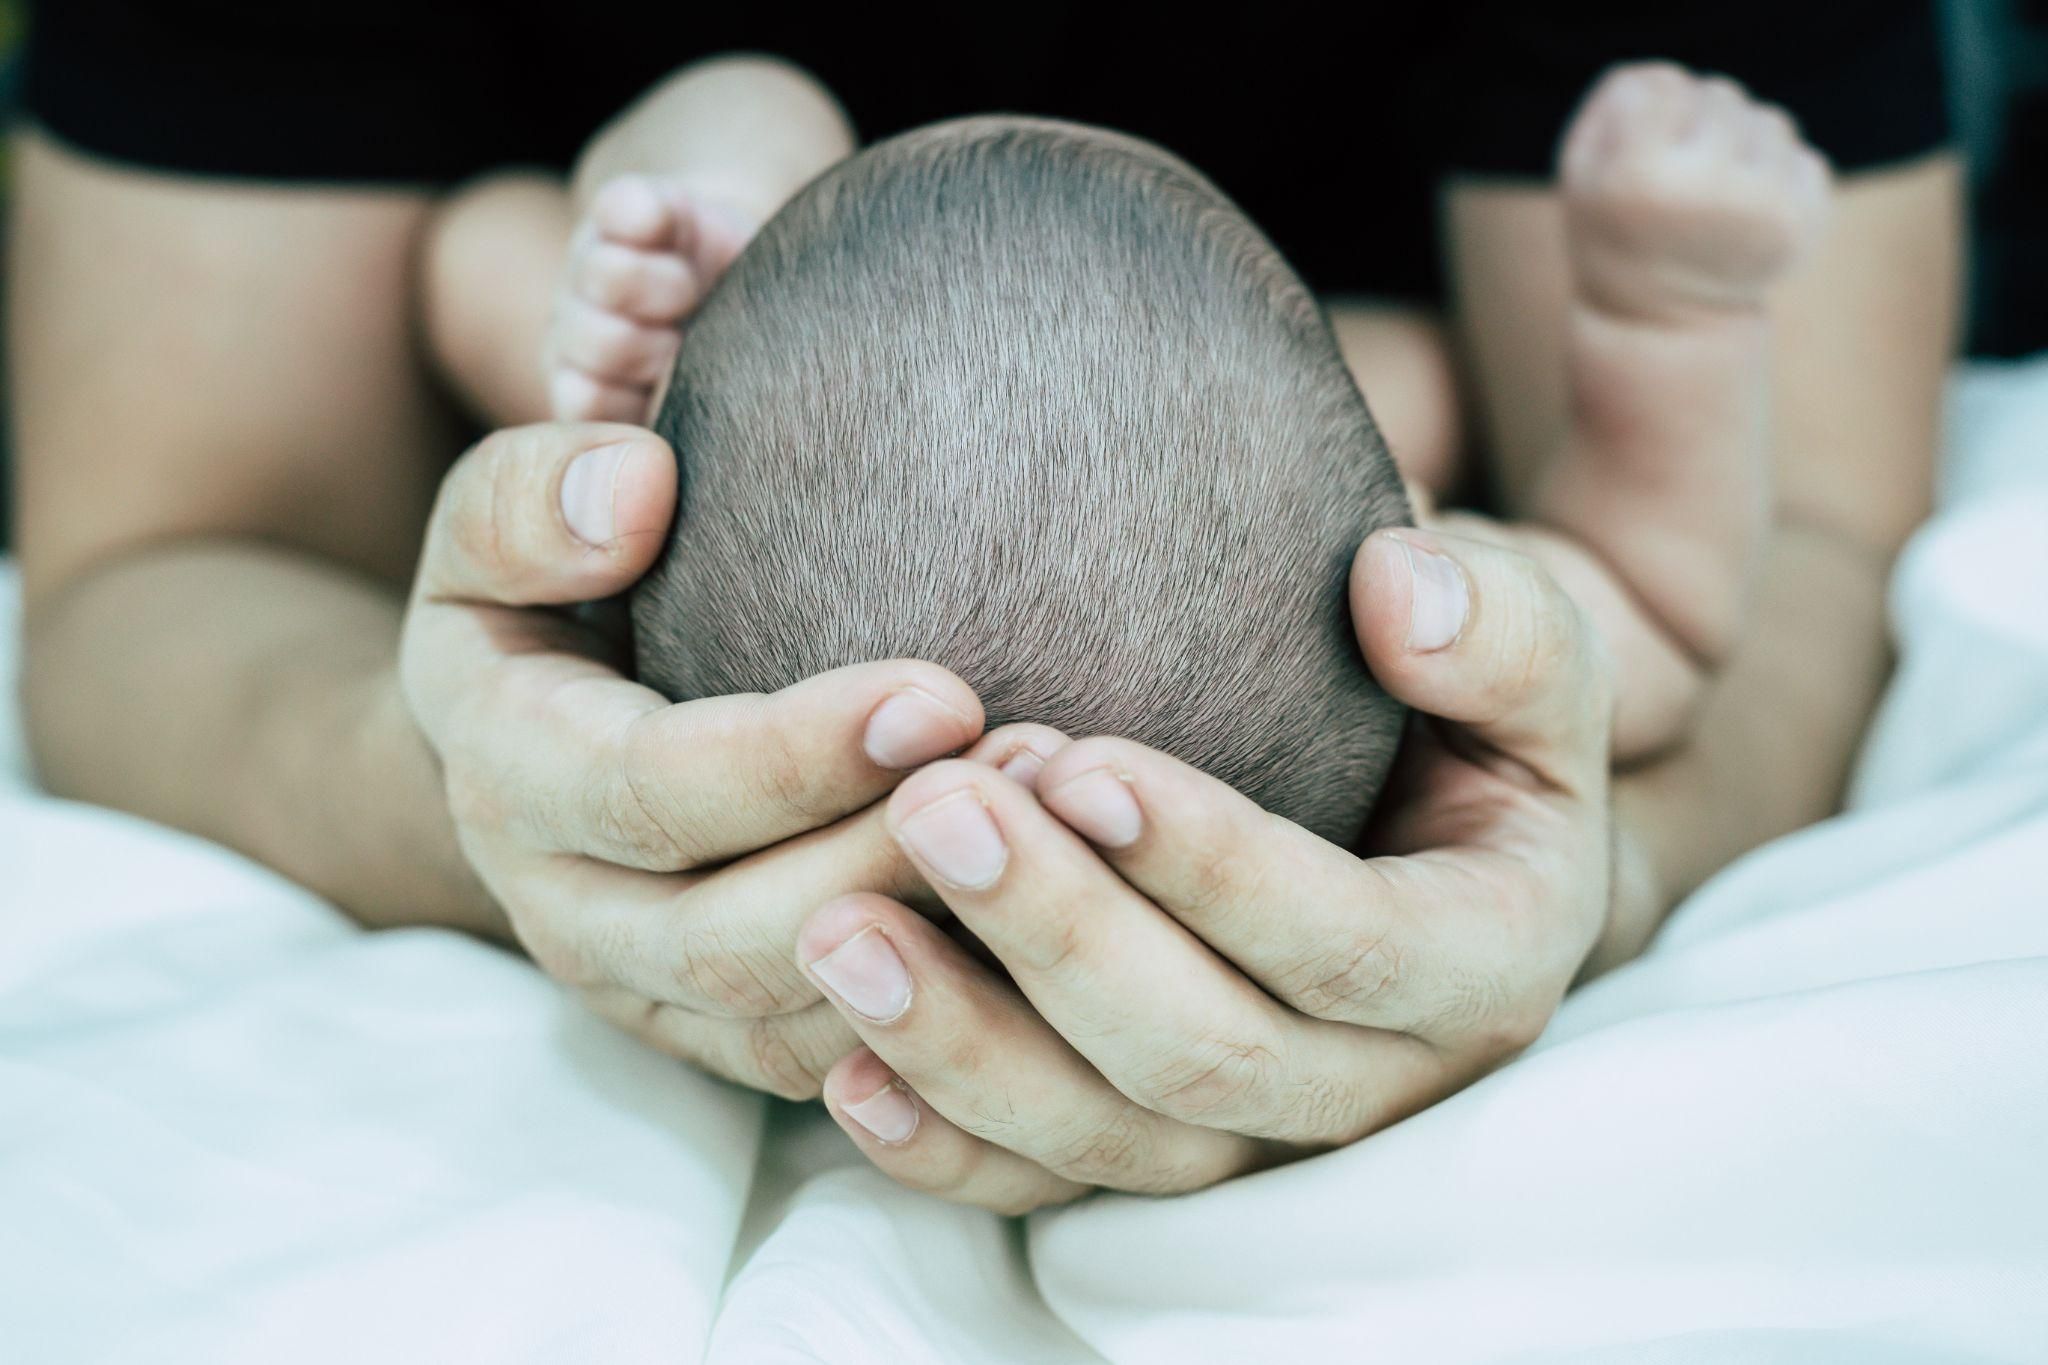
(1683,195)
(641,261)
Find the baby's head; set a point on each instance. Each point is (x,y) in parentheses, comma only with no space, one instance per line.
(1034,402)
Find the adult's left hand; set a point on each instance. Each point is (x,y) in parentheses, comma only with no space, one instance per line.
(1201,988)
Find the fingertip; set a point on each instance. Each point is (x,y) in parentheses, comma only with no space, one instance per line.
(912,726)
(1092,788)
(845,737)
(922,713)
(586,494)
(1096,751)
(1439,596)
(856,1074)
(629,209)
(1019,751)
(1411,594)
(1417,602)
(934,782)
(644,491)
(838,920)
(1380,597)
(618,493)
(871,1102)
(1099,802)
(1482,633)
(949,818)
(948,688)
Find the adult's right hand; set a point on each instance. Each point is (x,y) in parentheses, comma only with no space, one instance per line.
(658,857)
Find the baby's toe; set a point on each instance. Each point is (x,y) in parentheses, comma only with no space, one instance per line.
(649,286)
(1652,101)
(1815,178)
(577,397)
(634,210)
(722,232)
(1769,136)
(1717,113)
(574,395)
(615,349)
(1645,104)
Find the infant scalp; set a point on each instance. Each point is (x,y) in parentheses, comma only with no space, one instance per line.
(1035,402)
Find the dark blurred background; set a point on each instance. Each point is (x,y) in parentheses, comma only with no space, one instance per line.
(1997,51)
(1998,64)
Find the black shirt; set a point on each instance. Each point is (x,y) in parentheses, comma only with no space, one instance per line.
(1331,125)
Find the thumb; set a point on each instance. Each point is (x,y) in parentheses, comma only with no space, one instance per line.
(552,513)
(1474,632)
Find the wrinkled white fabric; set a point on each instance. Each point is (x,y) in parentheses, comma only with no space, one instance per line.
(1810,1125)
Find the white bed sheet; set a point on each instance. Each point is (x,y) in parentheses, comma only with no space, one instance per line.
(1811,1125)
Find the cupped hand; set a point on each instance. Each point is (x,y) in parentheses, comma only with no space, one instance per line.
(657,857)
(1196,988)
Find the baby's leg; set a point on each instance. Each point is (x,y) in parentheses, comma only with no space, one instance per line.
(1685,201)
(545,302)
(488,274)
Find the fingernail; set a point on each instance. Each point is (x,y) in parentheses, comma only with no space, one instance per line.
(1022,767)
(889,1113)
(958,840)
(587,493)
(1099,806)
(865,972)
(913,727)
(1438,600)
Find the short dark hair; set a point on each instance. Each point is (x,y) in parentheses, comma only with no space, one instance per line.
(1037,403)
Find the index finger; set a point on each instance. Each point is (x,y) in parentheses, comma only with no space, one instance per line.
(1143,1000)
(703,781)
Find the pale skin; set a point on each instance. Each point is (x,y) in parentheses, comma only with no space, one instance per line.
(1243,1040)
(1768,753)
(1865,332)
(226,449)
(319,769)
(1685,201)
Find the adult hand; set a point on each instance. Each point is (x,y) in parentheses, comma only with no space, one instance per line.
(659,858)
(1202,988)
